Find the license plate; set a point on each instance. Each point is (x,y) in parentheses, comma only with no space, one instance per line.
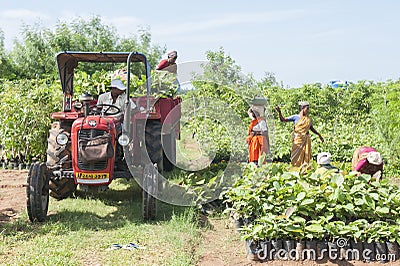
(92,175)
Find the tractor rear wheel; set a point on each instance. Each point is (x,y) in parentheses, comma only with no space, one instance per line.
(150,173)
(37,192)
(169,155)
(150,183)
(59,158)
(153,142)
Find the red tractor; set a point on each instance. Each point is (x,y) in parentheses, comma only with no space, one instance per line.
(90,148)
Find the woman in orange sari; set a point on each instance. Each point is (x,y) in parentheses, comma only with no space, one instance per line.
(257,138)
(301,141)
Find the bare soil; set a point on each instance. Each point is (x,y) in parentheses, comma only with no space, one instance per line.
(12,194)
(220,245)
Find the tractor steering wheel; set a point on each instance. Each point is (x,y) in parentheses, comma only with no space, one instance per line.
(107,110)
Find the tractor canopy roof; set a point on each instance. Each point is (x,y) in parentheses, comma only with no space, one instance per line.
(68,61)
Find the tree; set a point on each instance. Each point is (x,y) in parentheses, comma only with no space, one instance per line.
(6,71)
(386,119)
(24,123)
(27,101)
(34,56)
(142,43)
(220,101)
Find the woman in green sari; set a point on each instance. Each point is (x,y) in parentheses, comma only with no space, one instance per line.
(301,141)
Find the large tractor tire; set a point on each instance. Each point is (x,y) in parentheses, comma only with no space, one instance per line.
(59,158)
(169,154)
(150,180)
(150,183)
(37,192)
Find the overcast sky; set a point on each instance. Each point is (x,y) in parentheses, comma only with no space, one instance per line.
(300,42)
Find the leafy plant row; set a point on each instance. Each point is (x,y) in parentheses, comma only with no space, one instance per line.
(362,113)
(305,205)
(27,105)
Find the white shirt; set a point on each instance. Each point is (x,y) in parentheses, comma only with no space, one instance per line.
(106,98)
(261,126)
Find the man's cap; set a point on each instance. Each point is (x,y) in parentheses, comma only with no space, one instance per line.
(116,83)
(324,158)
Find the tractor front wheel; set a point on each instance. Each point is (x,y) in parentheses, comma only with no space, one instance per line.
(37,192)
(59,158)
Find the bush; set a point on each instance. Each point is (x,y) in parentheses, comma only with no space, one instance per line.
(25,107)
(306,205)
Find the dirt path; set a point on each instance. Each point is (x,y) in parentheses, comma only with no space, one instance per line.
(221,245)
(12,194)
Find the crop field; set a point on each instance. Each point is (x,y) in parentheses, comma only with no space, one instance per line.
(237,213)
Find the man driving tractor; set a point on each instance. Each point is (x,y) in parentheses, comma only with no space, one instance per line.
(117,95)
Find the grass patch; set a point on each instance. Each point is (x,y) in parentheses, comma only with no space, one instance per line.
(80,230)
(191,154)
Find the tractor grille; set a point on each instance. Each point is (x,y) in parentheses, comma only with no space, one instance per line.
(93,166)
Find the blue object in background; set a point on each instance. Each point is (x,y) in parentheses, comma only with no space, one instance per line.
(338,83)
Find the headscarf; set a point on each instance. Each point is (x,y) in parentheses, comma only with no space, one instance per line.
(172,54)
(303,104)
(324,158)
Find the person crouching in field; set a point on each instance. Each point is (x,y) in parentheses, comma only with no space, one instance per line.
(301,140)
(257,138)
(324,163)
(366,160)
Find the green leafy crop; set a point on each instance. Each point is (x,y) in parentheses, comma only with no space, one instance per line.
(306,205)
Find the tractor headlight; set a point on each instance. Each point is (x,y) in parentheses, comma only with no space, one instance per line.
(123,140)
(62,139)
